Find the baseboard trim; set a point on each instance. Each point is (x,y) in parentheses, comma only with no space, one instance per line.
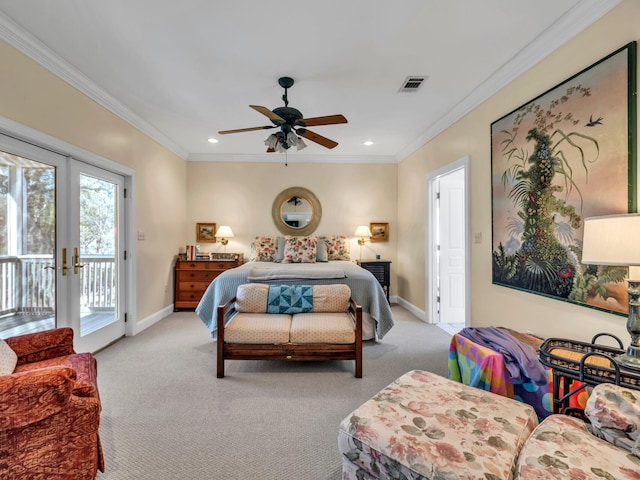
(151,320)
(421,314)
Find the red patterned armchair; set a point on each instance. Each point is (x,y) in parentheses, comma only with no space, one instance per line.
(49,411)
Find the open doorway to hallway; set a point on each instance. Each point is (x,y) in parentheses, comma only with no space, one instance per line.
(448,246)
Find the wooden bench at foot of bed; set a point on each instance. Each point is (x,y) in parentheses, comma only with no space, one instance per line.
(331,331)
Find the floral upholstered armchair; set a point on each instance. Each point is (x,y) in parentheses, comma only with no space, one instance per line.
(49,409)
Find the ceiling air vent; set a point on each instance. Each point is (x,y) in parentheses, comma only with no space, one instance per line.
(412,83)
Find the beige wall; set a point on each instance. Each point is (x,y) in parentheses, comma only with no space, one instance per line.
(241,195)
(34,97)
(172,195)
(491,304)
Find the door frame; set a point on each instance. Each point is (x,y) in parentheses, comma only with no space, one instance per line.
(29,135)
(431,265)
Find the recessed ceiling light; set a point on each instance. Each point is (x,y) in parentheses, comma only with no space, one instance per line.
(368,143)
(213,140)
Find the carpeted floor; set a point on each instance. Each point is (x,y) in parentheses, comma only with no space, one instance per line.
(166,415)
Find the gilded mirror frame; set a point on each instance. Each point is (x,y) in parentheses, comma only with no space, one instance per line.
(284,196)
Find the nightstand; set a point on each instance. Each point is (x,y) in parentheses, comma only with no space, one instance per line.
(192,277)
(381,270)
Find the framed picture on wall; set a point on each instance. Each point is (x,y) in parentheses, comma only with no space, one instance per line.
(568,154)
(379,232)
(205,232)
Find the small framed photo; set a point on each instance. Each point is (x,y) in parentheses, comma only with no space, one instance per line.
(205,232)
(379,232)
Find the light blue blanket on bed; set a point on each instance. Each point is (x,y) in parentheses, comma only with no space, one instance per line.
(365,289)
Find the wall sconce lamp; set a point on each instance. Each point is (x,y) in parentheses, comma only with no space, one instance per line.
(363,233)
(224,233)
(613,240)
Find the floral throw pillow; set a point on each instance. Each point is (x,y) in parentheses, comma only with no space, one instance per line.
(338,247)
(614,412)
(265,249)
(300,249)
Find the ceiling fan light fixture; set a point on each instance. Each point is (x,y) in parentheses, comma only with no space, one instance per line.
(271,142)
(292,125)
(292,139)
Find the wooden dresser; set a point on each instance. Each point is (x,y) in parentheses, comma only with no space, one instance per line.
(194,276)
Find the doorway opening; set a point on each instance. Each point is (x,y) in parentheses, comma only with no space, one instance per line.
(447,268)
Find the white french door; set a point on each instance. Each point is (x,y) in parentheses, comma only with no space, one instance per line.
(62,246)
(95,239)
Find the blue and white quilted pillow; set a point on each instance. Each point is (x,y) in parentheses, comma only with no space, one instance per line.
(290,299)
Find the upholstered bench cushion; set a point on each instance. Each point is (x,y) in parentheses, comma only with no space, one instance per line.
(254,297)
(268,328)
(423,426)
(322,328)
(561,447)
(331,298)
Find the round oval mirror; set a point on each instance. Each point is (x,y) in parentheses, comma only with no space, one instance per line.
(296,211)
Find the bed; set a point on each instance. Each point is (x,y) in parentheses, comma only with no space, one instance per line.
(365,289)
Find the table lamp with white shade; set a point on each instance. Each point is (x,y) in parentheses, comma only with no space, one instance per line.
(615,240)
(224,233)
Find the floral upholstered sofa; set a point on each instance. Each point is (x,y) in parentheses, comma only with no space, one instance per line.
(423,426)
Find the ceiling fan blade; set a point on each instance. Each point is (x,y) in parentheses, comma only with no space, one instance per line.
(267,113)
(326,120)
(314,137)
(250,129)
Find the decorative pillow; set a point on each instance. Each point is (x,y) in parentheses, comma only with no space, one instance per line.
(279,249)
(290,299)
(265,249)
(338,247)
(331,298)
(614,412)
(300,249)
(252,298)
(8,359)
(321,251)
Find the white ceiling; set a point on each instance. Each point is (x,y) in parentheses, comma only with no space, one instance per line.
(182,70)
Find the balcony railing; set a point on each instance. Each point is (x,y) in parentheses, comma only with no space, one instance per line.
(27,284)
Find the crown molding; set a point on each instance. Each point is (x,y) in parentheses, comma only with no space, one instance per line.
(294,158)
(583,14)
(26,43)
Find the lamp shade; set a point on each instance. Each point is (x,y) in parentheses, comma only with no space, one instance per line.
(224,232)
(363,232)
(612,240)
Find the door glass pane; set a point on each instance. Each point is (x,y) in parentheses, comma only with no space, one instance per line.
(98,244)
(27,245)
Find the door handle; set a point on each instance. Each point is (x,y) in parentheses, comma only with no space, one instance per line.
(76,260)
(64,263)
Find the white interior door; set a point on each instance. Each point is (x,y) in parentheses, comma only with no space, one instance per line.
(447,244)
(451,227)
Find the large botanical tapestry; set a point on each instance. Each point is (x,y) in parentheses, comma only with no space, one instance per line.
(565,155)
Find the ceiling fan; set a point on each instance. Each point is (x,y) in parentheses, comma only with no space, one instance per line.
(291,123)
